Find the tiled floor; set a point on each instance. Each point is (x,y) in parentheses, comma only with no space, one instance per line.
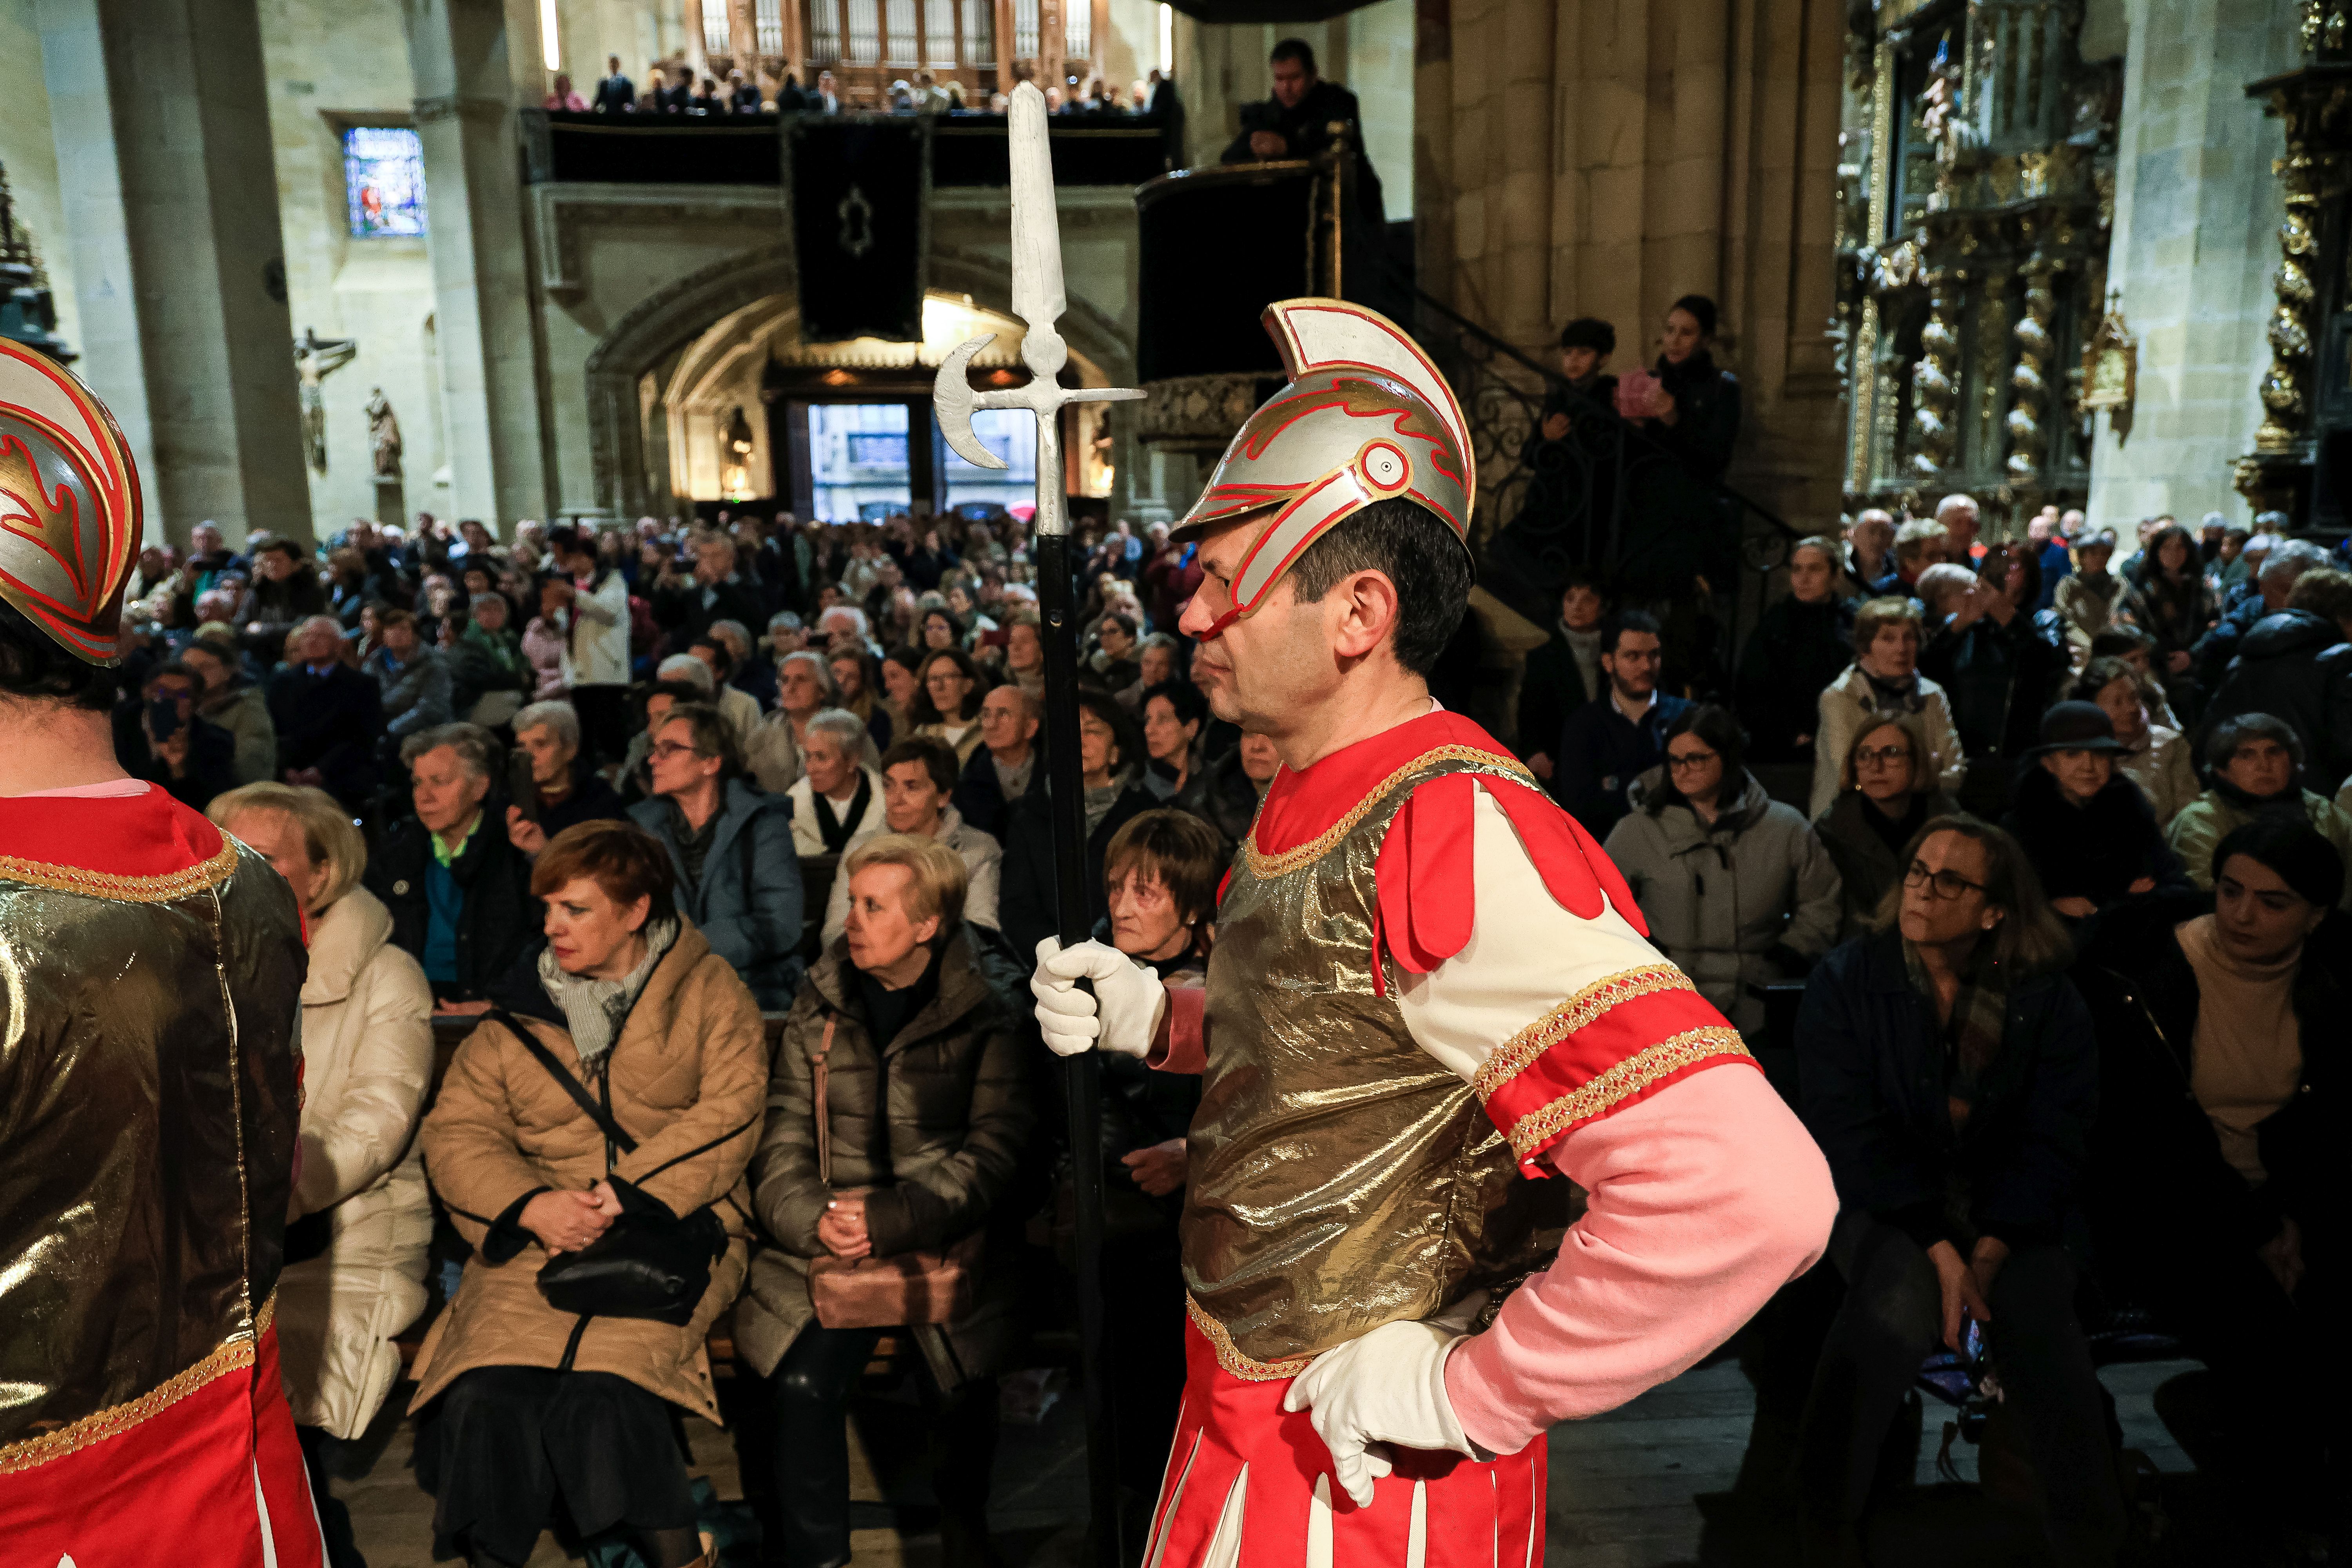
(1642,1487)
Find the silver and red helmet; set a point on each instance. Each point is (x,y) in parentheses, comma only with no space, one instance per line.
(69,508)
(1366,417)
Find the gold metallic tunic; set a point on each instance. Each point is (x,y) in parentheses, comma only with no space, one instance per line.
(149,1103)
(1340,1178)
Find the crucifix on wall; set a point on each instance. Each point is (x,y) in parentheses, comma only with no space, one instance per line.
(315,359)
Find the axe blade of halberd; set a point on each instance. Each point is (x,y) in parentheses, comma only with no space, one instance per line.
(1038,297)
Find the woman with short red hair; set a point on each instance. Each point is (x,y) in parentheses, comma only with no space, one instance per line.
(625,1009)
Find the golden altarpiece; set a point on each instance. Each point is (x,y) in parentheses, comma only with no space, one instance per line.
(2302,460)
(1977,190)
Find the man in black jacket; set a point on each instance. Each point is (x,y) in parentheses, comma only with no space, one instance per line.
(1295,122)
(460,892)
(193,760)
(328,716)
(616,94)
(1620,735)
(2297,666)
(1006,768)
(1997,663)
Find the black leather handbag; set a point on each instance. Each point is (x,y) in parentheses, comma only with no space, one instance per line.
(650,1262)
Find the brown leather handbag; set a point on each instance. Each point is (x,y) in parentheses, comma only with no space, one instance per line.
(913,1290)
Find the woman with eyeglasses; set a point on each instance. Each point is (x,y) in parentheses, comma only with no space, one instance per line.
(1733,884)
(1888,794)
(2220,1172)
(947,703)
(1883,683)
(1948,1072)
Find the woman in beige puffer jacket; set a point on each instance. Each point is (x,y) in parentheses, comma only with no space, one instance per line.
(360,1218)
(625,1009)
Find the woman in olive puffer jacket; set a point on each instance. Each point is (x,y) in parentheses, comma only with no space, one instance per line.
(926,1108)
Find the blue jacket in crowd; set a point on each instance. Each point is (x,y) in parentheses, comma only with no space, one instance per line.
(747,902)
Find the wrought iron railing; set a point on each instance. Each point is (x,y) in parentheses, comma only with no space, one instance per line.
(1609,499)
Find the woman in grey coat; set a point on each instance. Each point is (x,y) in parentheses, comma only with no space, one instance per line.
(1734,885)
(926,1108)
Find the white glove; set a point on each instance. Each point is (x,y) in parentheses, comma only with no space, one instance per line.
(1123,1014)
(1388,1387)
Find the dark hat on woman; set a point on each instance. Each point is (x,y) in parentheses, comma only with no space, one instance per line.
(2076,727)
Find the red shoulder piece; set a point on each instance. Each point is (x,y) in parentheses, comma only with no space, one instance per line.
(148,834)
(1575,867)
(1424,877)
(1427,879)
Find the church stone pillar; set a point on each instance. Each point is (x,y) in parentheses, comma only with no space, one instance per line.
(473,61)
(2195,246)
(159,114)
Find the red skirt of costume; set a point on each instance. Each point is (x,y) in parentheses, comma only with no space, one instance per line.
(204,1472)
(1249,1486)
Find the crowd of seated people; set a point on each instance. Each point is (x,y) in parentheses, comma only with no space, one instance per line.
(598,799)
(2031,774)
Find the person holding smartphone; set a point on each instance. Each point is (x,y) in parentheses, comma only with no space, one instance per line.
(1948,1071)
(159,738)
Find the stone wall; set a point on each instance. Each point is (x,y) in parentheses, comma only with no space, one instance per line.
(330,66)
(1602,157)
(2195,242)
(30,159)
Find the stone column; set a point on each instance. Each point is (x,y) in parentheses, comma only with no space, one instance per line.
(159,114)
(696,59)
(743,37)
(471,60)
(1432,147)
(2194,246)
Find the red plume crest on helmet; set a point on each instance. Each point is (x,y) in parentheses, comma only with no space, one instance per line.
(1366,417)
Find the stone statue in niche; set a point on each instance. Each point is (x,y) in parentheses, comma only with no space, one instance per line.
(315,359)
(384,436)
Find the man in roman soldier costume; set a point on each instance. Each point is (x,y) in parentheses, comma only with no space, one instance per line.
(1428,986)
(150,980)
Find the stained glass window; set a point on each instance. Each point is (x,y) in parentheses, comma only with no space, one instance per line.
(383,182)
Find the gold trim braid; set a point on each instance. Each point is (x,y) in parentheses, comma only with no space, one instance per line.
(160,889)
(1230,1356)
(1580,1011)
(1605,1090)
(1266,866)
(239,1351)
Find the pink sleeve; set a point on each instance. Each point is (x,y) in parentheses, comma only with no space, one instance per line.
(1705,1199)
(1182,1042)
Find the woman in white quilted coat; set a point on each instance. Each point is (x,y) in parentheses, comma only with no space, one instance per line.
(361,1219)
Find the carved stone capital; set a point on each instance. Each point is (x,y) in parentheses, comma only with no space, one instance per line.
(1197,413)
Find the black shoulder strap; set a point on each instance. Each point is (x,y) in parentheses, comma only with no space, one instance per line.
(571,1086)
